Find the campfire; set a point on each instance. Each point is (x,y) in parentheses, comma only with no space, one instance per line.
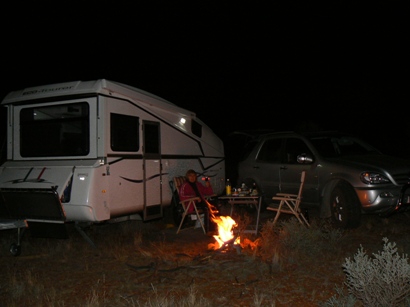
(225,236)
(228,237)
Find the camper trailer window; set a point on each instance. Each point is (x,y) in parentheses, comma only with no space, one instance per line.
(124,132)
(196,128)
(151,138)
(58,130)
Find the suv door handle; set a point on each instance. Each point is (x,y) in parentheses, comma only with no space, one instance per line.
(283,167)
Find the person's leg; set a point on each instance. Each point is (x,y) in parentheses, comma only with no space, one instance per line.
(204,208)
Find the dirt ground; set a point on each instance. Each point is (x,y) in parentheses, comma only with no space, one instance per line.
(135,262)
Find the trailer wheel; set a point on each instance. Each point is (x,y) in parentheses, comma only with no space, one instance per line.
(15,249)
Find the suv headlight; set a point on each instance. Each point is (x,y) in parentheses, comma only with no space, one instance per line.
(373,178)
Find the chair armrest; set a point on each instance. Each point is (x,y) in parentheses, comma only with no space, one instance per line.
(286,195)
(286,198)
(272,206)
(189,199)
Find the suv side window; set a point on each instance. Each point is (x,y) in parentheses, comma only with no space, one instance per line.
(270,151)
(246,151)
(294,147)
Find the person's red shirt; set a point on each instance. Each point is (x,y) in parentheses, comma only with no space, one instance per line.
(186,191)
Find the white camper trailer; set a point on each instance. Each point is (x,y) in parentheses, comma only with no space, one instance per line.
(96,151)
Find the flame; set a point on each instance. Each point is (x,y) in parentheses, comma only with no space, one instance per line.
(225,231)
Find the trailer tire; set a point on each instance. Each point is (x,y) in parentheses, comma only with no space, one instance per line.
(15,249)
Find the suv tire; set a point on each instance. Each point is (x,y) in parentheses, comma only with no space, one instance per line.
(344,207)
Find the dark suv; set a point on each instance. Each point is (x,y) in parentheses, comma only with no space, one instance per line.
(345,176)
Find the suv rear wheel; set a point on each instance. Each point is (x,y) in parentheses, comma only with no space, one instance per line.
(344,207)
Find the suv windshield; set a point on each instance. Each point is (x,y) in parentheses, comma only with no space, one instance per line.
(340,146)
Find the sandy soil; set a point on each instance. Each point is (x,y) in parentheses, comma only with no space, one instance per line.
(135,262)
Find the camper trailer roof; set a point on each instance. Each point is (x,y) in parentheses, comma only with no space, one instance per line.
(101,86)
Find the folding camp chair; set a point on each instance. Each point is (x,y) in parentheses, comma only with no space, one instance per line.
(186,204)
(289,203)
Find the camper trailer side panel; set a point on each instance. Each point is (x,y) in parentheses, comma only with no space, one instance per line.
(117,170)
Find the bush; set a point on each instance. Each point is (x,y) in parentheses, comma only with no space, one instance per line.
(381,280)
(290,241)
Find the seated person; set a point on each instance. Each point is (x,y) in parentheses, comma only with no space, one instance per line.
(192,188)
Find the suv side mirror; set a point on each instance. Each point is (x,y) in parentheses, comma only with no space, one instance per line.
(304,159)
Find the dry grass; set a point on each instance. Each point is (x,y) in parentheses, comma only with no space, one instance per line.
(147,264)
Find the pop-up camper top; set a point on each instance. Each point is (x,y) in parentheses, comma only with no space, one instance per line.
(97,151)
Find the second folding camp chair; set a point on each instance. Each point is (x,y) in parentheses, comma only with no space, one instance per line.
(289,203)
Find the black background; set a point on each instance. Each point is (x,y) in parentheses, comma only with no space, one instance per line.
(338,66)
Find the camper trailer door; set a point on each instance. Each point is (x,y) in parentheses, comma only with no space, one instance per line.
(152,170)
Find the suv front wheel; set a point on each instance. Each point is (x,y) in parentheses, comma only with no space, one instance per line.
(344,207)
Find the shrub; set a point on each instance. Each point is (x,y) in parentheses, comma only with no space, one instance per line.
(381,280)
(289,241)
(340,299)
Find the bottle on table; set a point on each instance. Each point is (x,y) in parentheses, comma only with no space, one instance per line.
(244,187)
(228,187)
(254,189)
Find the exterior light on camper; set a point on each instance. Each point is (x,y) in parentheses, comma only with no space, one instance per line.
(182,120)
(82,176)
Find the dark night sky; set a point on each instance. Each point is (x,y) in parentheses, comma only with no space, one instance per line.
(337,66)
